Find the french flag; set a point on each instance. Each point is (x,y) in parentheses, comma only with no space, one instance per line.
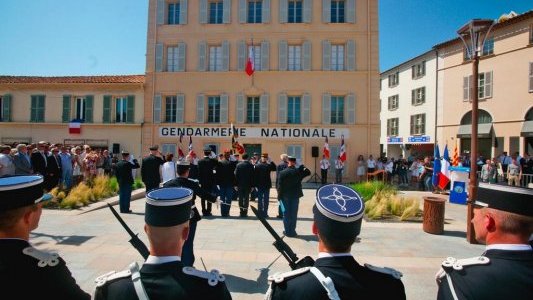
(444,177)
(343,149)
(74,127)
(250,66)
(325,150)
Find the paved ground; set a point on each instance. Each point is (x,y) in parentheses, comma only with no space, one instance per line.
(93,243)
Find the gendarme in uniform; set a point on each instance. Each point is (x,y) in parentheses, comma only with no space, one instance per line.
(505,269)
(164,277)
(338,213)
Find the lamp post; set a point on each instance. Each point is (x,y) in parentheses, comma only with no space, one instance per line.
(473,34)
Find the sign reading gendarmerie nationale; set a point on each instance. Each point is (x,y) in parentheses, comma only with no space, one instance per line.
(255,132)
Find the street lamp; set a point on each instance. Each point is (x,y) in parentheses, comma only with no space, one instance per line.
(473,34)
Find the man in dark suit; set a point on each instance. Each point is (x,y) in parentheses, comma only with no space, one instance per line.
(225,180)
(337,216)
(53,169)
(503,220)
(244,174)
(125,180)
(183,180)
(163,275)
(22,161)
(206,177)
(150,168)
(290,191)
(26,272)
(39,159)
(283,164)
(263,183)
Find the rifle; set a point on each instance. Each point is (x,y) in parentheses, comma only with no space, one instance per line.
(283,248)
(134,241)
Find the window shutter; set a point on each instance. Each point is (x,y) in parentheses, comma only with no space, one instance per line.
(350,55)
(263,114)
(350,109)
(33,113)
(531,76)
(66,108)
(226,11)
(184,7)
(470,86)
(466,88)
(413,97)
(203,11)
(283,11)
(265,55)
(241,55)
(89,103)
(326,108)
(326,11)
(158,57)
(225,56)
(326,55)
(240,108)
(41,108)
(282,108)
(389,103)
(413,72)
(6,108)
(180,107)
(200,117)
(265,11)
(412,125)
(488,84)
(307,11)
(160,12)
(182,50)
(283,48)
(157,108)
(306,66)
(350,11)
(106,116)
(202,53)
(242,11)
(224,108)
(306,108)
(130,110)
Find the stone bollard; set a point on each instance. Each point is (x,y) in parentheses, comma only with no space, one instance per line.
(434,215)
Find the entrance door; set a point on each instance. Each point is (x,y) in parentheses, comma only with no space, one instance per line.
(252,148)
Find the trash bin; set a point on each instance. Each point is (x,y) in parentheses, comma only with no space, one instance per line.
(434,215)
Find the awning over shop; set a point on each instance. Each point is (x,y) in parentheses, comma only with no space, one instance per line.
(483,130)
(527,129)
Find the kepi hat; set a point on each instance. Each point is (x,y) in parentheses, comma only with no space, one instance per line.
(505,198)
(168,206)
(21,190)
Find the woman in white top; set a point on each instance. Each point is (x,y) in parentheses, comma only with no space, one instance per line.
(415,170)
(360,168)
(371,164)
(168,170)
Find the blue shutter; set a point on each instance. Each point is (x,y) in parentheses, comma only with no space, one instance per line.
(241,108)
(130,109)
(202,53)
(225,56)
(226,11)
(306,66)
(106,116)
(200,116)
(89,100)
(283,11)
(282,108)
(326,11)
(180,108)
(160,9)
(224,108)
(33,110)
(283,48)
(306,108)
(241,55)
(307,11)
(350,55)
(265,12)
(265,56)
(350,109)
(350,11)
(157,109)
(66,109)
(158,57)
(183,12)
(263,115)
(326,55)
(203,12)
(242,11)
(326,108)
(182,50)
(6,108)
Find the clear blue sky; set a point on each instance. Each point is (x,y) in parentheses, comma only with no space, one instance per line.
(97,37)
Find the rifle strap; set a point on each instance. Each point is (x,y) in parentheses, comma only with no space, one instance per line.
(137,283)
(327,283)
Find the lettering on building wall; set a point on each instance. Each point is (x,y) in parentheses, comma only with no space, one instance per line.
(254,132)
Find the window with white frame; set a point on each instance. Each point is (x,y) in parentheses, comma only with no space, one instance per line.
(295,11)
(337,57)
(252,110)
(337,109)
(418,96)
(485,85)
(257,56)
(121,109)
(394,79)
(255,11)
(171,108)
(216,11)
(418,124)
(215,58)
(393,102)
(173,13)
(337,11)
(213,109)
(172,59)
(79,108)
(418,70)
(294,108)
(295,58)
(295,151)
(488,47)
(392,126)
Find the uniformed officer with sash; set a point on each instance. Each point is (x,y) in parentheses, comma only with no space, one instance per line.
(42,275)
(338,213)
(503,220)
(163,275)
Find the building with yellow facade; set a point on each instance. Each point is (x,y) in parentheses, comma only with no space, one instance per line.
(316,76)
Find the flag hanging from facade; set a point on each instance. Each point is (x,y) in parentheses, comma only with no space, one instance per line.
(444,177)
(342,150)
(250,64)
(325,150)
(74,127)
(436,165)
(455,157)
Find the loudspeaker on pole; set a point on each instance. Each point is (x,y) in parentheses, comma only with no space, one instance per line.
(314,151)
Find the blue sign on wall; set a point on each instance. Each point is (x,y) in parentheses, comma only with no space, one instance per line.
(394,140)
(419,139)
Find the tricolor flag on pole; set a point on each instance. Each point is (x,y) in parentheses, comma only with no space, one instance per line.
(343,149)
(436,165)
(250,64)
(444,177)
(74,127)
(325,150)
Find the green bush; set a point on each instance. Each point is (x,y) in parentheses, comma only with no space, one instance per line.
(386,203)
(368,189)
(113,184)
(137,184)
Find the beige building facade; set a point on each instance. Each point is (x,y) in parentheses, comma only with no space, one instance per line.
(505,90)
(110,109)
(316,76)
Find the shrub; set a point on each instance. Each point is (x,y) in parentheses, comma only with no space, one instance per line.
(385,203)
(113,184)
(137,184)
(79,196)
(368,189)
